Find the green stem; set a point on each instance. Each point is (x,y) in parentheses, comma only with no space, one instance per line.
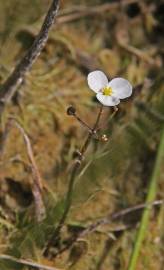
(76,167)
(150,197)
(68,200)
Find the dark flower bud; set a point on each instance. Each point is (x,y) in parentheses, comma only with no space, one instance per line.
(71,110)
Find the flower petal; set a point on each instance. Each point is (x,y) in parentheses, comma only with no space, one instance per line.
(97,80)
(107,100)
(121,88)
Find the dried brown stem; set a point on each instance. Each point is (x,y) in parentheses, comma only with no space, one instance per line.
(9,87)
(104,254)
(27,262)
(37,186)
(80,12)
(106,220)
(4,137)
(138,53)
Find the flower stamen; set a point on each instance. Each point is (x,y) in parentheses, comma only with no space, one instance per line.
(107,91)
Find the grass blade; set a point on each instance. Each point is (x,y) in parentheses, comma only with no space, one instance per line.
(150,197)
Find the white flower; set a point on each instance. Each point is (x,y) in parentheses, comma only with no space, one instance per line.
(109,93)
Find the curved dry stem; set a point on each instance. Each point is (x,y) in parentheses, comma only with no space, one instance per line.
(36,185)
(104,221)
(27,262)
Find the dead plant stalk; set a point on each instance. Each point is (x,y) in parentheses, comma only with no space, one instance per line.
(36,184)
(27,262)
(9,87)
(106,220)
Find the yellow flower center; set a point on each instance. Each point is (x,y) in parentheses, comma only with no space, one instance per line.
(107,91)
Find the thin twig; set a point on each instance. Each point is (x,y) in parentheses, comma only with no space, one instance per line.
(37,186)
(68,200)
(138,53)
(104,254)
(80,12)
(9,87)
(120,214)
(27,262)
(104,221)
(4,138)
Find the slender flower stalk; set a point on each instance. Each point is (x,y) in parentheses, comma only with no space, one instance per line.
(72,111)
(82,123)
(68,200)
(109,94)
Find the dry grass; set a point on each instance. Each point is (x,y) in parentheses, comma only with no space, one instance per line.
(124,42)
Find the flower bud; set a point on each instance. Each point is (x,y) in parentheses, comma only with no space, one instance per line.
(71,110)
(104,138)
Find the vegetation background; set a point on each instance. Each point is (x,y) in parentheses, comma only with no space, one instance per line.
(122,38)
